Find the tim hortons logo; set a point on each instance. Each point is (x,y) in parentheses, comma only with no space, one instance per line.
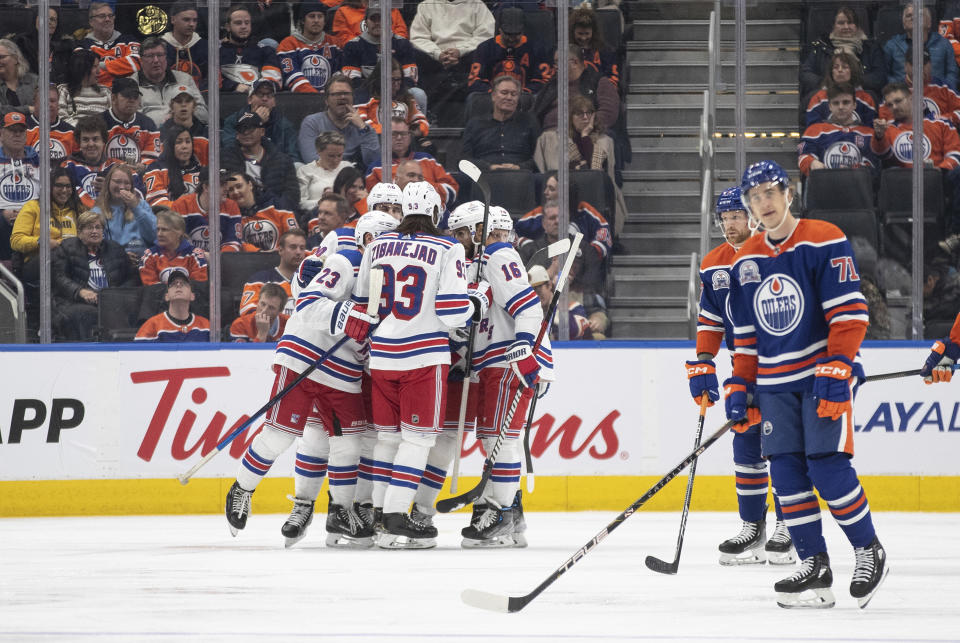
(568,433)
(174,380)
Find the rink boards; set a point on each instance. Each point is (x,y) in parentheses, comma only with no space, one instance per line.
(106,430)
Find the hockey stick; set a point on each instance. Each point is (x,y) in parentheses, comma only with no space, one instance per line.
(662,566)
(526,444)
(452,504)
(376,280)
(891,376)
(506,604)
(473,172)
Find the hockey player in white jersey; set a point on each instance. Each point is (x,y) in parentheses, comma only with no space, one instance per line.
(424,296)
(506,363)
(331,393)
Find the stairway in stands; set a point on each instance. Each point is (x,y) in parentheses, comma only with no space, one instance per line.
(667,57)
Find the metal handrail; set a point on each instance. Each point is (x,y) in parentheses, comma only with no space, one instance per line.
(693,299)
(12,289)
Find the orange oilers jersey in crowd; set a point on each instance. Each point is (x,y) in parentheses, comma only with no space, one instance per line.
(794,302)
(157,183)
(133,142)
(263,228)
(942,144)
(251,290)
(120,56)
(163,328)
(408,111)
(155,264)
(61,139)
(712,321)
(347,23)
(938,99)
(244,328)
(433,173)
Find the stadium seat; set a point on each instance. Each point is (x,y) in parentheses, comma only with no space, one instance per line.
(596,188)
(610,26)
(541,27)
(854,223)
(17,20)
(296,106)
(118,312)
(236,268)
(231,102)
(511,189)
(840,189)
(896,193)
(73,19)
(888,22)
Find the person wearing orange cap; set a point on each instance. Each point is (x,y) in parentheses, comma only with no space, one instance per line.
(19,175)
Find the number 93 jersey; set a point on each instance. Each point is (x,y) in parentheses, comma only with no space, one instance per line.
(424,295)
(514,315)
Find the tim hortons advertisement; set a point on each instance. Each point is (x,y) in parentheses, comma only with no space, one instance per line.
(613,411)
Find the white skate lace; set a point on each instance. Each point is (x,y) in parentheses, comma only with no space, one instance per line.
(353,521)
(806,568)
(780,534)
(747,533)
(365,513)
(301,511)
(863,569)
(241,501)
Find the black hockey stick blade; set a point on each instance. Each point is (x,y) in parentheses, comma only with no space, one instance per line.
(654,564)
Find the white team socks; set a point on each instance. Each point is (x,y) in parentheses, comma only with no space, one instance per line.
(438,464)
(260,455)
(383,454)
(313,450)
(408,467)
(364,492)
(505,478)
(344,457)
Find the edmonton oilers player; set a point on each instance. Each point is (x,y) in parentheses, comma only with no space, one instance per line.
(943,357)
(750,545)
(798,320)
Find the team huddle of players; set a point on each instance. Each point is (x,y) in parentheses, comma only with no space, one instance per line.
(378,417)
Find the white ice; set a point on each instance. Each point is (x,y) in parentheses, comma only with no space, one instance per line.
(183,578)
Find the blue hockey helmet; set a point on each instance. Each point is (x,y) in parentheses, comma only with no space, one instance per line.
(728,201)
(762,172)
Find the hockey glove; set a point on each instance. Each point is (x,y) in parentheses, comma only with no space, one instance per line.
(309,268)
(738,398)
(702,377)
(523,363)
(831,386)
(479,295)
(939,364)
(542,389)
(351,318)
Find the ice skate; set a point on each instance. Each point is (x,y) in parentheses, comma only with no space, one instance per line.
(345,529)
(237,507)
(779,547)
(519,522)
(493,528)
(366,513)
(746,548)
(809,587)
(870,571)
(422,515)
(401,531)
(300,518)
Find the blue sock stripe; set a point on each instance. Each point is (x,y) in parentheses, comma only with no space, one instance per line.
(345,469)
(259,458)
(306,473)
(310,459)
(432,469)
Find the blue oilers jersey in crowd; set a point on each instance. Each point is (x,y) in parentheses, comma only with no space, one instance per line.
(785,297)
(837,147)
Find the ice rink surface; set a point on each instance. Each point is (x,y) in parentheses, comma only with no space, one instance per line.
(183,578)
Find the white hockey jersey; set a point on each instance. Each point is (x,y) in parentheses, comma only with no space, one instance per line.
(424,296)
(335,241)
(514,315)
(308,332)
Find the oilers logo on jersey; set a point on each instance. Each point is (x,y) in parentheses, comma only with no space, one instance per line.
(843,154)
(123,148)
(16,188)
(903,147)
(749,272)
(317,69)
(58,151)
(88,184)
(721,280)
(767,427)
(778,304)
(261,233)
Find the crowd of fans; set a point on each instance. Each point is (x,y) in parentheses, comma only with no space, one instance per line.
(130,130)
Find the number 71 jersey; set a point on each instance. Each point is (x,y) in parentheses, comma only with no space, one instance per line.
(424,296)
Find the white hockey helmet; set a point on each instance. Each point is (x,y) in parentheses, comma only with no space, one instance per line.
(420,198)
(384,193)
(500,219)
(466,215)
(376,223)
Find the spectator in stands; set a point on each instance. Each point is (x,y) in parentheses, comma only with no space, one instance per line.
(444,34)
(82,266)
(548,218)
(266,322)
(262,101)
(81,95)
(408,171)
(361,142)
(159,84)
(182,109)
(61,133)
(428,169)
(510,53)
(242,60)
(316,178)
(402,104)
(349,184)
(840,142)
(186,50)
(846,36)
(844,68)
(507,138)
(177,323)
(941,292)
(194,208)
(589,149)
(265,215)
(119,53)
(176,173)
(308,56)
(259,158)
(897,49)
(581,80)
(17,83)
(89,164)
(349,17)
(291,249)
(172,251)
(587,292)
(19,175)
(129,218)
(332,213)
(60,46)
(65,207)
(893,143)
(939,101)
(131,136)
(586,33)
(577,315)
(361,55)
